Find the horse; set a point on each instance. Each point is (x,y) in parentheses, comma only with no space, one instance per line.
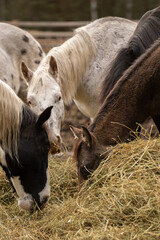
(17,45)
(71,71)
(24,148)
(134,97)
(146,32)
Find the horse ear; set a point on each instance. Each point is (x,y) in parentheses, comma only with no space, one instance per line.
(77,133)
(53,69)
(44,116)
(87,137)
(27,73)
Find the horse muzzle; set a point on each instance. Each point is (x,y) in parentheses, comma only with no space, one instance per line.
(55,148)
(26,203)
(29,204)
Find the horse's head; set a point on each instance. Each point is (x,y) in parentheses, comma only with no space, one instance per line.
(87,153)
(28,172)
(44,91)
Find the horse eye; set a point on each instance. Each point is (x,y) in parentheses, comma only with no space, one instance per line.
(59,98)
(29,103)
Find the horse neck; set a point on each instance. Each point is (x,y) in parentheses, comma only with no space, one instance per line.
(73,58)
(133,99)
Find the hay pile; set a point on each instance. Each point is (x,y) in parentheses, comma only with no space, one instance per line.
(121,201)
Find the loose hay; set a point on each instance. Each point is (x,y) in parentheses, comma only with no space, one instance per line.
(120,201)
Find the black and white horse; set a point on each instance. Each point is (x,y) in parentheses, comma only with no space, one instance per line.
(24,149)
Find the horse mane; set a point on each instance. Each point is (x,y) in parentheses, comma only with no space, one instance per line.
(10,118)
(110,100)
(73,58)
(146,32)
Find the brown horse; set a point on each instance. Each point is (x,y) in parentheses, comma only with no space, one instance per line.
(146,32)
(134,97)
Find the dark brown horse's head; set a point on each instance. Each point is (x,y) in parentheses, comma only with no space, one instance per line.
(88,153)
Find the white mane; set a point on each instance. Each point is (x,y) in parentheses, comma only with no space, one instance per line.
(10,118)
(73,58)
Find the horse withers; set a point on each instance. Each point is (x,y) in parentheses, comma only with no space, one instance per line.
(133,99)
(24,149)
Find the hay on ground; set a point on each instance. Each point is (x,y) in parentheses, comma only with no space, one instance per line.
(121,200)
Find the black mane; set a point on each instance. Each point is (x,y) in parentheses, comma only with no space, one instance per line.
(146,32)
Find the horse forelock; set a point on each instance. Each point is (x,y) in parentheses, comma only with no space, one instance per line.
(73,58)
(146,32)
(10,118)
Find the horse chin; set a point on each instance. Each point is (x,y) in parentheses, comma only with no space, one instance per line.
(55,148)
(26,203)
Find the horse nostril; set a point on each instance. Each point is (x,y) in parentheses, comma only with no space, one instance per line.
(45,200)
(59,141)
(89,166)
(85,172)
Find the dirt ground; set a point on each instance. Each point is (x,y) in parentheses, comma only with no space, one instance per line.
(72,117)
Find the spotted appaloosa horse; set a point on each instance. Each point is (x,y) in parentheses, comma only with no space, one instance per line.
(76,69)
(17,45)
(24,149)
(134,97)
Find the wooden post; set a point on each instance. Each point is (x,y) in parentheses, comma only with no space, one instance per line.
(93,9)
(2,10)
(129,5)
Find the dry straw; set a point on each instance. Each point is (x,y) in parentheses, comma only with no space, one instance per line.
(121,201)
